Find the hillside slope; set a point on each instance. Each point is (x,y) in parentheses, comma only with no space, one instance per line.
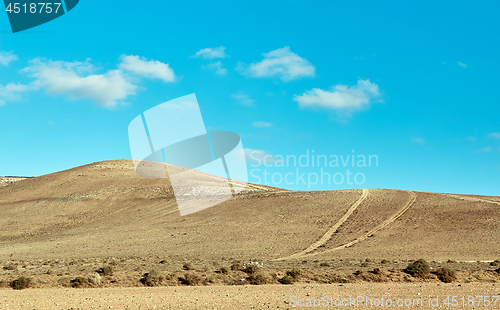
(105,210)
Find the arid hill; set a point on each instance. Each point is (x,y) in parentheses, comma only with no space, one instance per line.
(106,210)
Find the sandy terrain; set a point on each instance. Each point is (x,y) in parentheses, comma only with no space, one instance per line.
(410,296)
(62,230)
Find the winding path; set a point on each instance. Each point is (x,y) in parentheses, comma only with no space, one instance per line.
(331,231)
(328,235)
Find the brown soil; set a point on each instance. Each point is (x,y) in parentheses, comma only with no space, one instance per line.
(58,227)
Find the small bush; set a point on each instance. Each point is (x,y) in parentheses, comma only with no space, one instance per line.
(20,283)
(9,267)
(286,280)
(251,269)
(495,263)
(364,264)
(106,270)
(224,270)
(94,279)
(377,271)
(153,278)
(324,265)
(257,279)
(236,266)
(294,273)
(188,266)
(419,268)
(77,282)
(384,261)
(446,274)
(191,279)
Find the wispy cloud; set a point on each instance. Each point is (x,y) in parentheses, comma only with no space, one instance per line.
(217,66)
(485,150)
(261,124)
(152,69)
(7,57)
(211,53)
(471,138)
(281,63)
(75,80)
(12,92)
(243,99)
(418,140)
(494,135)
(340,97)
(461,64)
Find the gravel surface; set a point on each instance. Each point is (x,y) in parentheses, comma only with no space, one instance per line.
(247,297)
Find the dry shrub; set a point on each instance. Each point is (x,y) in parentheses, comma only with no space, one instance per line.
(9,267)
(377,271)
(495,263)
(286,280)
(236,266)
(191,278)
(224,270)
(446,274)
(106,270)
(384,261)
(153,278)
(258,279)
(77,282)
(94,279)
(294,273)
(20,283)
(419,268)
(251,269)
(324,264)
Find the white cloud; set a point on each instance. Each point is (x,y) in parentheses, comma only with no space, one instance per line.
(494,135)
(471,138)
(12,92)
(461,64)
(217,67)
(243,99)
(418,140)
(282,63)
(261,124)
(152,69)
(211,53)
(75,80)
(7,57)
(485,150)
(341,96)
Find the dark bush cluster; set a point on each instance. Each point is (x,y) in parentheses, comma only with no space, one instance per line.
(153,278)
(20,283)
(446,274)
(419,268)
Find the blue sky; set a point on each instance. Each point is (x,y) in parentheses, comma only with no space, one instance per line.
(414,83)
